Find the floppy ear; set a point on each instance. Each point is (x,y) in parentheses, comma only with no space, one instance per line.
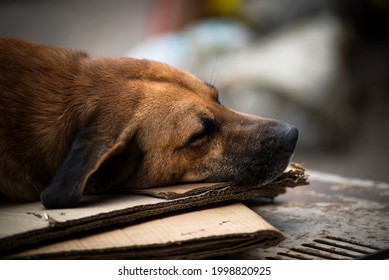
(88,151)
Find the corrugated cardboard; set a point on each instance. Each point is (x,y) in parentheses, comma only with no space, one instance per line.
(194,234)
(293,176)
(25,224)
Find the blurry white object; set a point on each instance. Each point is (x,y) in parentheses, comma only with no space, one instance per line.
(301,60)
(195,44)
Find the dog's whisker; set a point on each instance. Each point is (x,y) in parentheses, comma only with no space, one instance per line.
(212,81)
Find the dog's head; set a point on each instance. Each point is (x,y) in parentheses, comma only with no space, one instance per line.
(181,133)
(186,135)
(166,126)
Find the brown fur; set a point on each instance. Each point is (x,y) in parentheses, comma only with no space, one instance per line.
(70,123)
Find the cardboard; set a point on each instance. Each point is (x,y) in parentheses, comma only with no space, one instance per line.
(293,176)
(195,234)
(25,224)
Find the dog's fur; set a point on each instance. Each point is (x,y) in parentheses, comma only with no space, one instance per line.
(71,124)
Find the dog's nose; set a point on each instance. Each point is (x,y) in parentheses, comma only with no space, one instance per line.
(289,138)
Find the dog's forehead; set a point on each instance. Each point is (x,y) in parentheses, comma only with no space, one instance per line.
(163,73)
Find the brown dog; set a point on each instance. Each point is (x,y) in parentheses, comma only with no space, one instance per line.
(70,123)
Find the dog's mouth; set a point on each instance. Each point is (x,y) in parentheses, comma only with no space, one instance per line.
(261,172)
(273,173)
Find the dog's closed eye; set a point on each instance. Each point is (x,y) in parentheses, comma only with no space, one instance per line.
(208,127)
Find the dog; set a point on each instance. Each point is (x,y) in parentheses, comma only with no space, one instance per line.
(71,124)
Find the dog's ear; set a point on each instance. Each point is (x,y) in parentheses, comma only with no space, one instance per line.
(89,150)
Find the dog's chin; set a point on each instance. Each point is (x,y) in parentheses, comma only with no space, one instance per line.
(265,174)
(270,179)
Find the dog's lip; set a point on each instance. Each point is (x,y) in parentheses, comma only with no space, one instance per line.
(273,174)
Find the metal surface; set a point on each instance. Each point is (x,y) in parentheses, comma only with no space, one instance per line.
(332,218)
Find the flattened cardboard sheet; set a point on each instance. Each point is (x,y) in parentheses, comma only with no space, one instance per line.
(31,223)
(195,234)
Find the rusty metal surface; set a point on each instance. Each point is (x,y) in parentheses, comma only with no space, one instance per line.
(332,218)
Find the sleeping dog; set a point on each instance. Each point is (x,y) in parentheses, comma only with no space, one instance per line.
(71,124)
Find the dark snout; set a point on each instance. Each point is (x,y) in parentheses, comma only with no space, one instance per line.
(262,155)
(289,136)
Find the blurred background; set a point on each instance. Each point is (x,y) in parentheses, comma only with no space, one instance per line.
(322,65)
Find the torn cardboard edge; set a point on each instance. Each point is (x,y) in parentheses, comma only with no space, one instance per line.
(26,224)
(293,176)
(202,233)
